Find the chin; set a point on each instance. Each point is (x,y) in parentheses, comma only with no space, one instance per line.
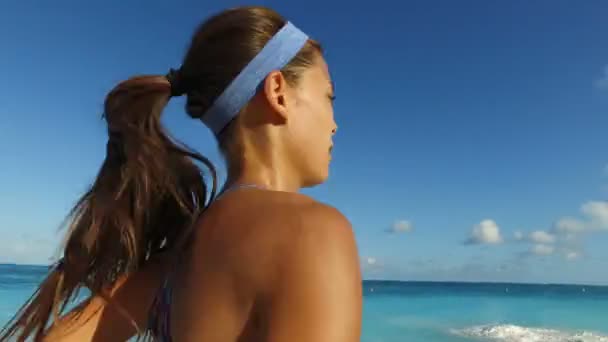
(316,178)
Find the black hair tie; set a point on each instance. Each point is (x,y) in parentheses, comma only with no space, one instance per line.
(176,81)
(115,146)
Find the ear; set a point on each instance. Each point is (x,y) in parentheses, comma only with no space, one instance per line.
(276,94)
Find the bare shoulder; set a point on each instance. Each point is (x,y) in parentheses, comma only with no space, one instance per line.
(317,214)
(287,250)
(321,277)
(323,239)
(319,225)
(301,208)
(305,226)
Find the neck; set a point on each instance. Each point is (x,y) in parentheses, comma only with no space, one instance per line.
(271,179)
(261,163)
(262,182)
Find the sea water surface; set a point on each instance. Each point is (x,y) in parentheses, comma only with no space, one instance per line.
(434,312)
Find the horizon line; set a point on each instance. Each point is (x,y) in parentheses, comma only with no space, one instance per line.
(590,284)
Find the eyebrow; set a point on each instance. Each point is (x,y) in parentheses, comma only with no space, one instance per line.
(333,87)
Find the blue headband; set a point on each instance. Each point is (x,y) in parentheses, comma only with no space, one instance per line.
(279,50)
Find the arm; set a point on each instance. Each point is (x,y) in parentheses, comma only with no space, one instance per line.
(118,319)
(319,292)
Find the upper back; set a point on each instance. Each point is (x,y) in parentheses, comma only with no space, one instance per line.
(240,250)
(258,258)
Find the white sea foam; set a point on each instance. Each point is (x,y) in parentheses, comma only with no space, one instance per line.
(514,333)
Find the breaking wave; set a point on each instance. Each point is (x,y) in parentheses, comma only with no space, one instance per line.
(515,333)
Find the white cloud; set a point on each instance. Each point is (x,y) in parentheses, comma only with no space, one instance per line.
(597,213)
(566,236)
(370,262)
(401,226)
(486,232)
(371,267)
(572,255)
(602,83)
(542,237)
(569,225)
(562,243)
(542,250)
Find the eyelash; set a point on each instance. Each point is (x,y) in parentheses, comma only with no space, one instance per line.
(332,97)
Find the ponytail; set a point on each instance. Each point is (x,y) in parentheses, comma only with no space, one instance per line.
(144,200)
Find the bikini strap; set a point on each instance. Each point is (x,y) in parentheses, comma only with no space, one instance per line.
(159,318)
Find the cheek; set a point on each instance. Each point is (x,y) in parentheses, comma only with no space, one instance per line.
(309,139)
(314,123)
(315,113)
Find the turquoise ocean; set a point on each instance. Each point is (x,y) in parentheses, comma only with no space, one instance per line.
(433,311)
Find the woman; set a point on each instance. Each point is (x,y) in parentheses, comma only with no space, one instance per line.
(261,262)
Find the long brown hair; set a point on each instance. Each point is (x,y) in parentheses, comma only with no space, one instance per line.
(150,190)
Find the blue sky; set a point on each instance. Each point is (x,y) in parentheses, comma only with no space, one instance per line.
(472,142)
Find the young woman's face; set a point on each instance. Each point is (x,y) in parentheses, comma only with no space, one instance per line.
(311,123)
